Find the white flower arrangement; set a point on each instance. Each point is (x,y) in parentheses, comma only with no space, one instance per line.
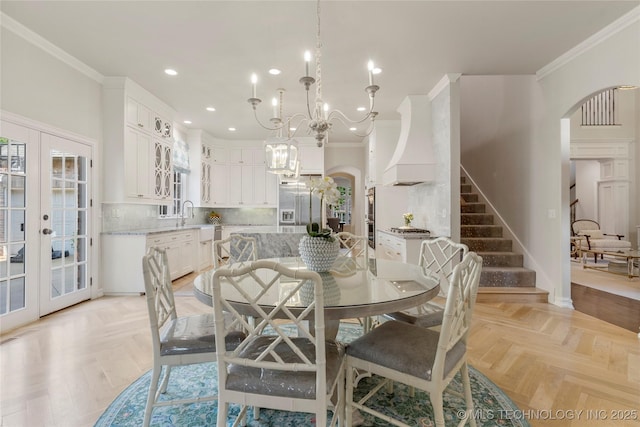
(326,189)
(408,217)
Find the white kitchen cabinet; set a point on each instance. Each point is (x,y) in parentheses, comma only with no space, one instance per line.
(311,159)
(163,171)
(205,247)
(265,187)
(135,124)
(138,168)
(219,185)
(240,185)
(397,248)
(246,156)
(122,255)
(138,115)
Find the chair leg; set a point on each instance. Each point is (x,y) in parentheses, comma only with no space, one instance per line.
(464,373)
(348,408)
(438,410)
(153,387)
(165,379)
(223,410)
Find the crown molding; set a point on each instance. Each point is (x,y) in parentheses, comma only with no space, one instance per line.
(39,41)
(444,82)
(602,35)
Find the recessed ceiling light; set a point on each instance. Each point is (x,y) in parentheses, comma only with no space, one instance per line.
(187,122)
(353,129)
(361,108)
(292,129)
(232,129)
(211,109)
(376,70)
(171,72)
(274,71)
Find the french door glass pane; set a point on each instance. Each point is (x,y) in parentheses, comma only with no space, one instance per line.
(13,178)
(69,222)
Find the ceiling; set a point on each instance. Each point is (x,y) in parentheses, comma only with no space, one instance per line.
(216,45)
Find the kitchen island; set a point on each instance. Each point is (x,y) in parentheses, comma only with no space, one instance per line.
(275,241)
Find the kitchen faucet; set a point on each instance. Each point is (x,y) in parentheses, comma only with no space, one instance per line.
(182,219)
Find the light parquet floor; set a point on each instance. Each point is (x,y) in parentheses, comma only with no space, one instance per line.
(65,369)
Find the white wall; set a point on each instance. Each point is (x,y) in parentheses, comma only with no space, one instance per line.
(587,177)
(612,62)
(38,86)
(516,145)
(436,205)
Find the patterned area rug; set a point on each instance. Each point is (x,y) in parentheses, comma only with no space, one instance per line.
(492,406)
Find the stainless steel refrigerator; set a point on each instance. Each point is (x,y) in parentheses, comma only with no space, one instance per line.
(293,203)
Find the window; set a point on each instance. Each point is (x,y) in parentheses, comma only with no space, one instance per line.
(179,192)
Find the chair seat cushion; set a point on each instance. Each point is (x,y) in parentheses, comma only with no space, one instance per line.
(607,244)
(406,348)
(193,334)
(283,383)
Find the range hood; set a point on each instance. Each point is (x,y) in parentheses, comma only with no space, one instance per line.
(413,161)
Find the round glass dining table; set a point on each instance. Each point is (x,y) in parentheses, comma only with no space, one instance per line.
(353,288)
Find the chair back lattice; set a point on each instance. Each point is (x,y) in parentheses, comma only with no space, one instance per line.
(440,256)
(354,249)
(583,224)
(234,249)
(159,293)
(245,288)
(461,298)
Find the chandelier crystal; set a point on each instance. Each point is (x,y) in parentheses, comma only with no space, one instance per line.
(318,118)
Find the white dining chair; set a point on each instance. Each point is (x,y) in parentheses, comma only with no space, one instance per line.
(175,340)
(439,256)
(272,368)
(234,248)
(418,356)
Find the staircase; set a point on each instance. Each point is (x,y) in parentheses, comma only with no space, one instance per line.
(503,278)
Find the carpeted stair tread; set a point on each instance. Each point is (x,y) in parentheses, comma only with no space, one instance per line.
(481,230)
(501,259)
(502,269)
(487,244)
(476,219)
(507,276)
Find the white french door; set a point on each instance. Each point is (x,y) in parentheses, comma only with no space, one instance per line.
(64,219)
(45,183)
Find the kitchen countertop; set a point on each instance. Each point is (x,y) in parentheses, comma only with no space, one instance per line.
(408,236)
(147,231)
(274,229)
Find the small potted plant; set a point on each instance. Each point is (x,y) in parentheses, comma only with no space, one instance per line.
(318,249)
(408,217)
(214,217)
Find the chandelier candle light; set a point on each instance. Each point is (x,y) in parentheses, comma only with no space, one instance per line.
(281,150)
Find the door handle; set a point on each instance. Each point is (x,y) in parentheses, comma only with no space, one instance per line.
(47,231)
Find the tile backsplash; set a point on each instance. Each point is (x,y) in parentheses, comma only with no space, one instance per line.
(122,217)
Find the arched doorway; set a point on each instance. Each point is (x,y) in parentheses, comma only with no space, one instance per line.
(351,210)
(604,175)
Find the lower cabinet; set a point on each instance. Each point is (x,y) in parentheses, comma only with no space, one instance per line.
(397,248)
(122,255)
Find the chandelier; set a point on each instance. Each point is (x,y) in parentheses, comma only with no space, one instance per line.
(281,150)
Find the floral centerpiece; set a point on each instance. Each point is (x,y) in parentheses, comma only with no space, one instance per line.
(408,217)
(318,248)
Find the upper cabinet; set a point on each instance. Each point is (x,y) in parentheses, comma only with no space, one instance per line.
(227,175)
(311,158)
(138,143)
